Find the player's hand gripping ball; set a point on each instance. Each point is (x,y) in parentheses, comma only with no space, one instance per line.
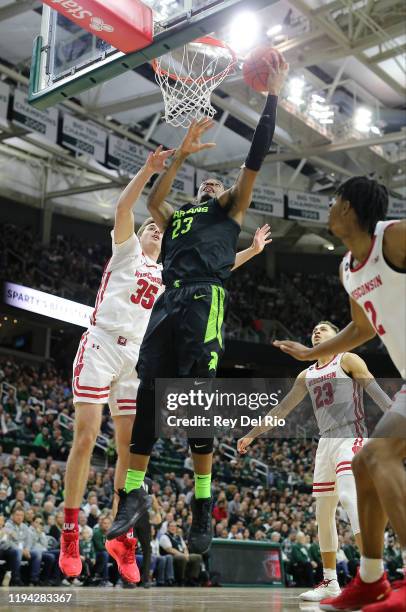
(256,67)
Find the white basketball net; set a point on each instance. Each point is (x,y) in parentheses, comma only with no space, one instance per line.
(187,77)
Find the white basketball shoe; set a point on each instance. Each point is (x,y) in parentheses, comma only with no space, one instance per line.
(327,588)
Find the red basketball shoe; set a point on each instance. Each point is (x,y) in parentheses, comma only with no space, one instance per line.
(70,562)
(396,602)
(358,594)
(122,549)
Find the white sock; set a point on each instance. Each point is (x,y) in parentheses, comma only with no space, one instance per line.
(329,574)
(371,569)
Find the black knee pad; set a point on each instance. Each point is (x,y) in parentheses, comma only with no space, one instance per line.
(143,434)
(201,446)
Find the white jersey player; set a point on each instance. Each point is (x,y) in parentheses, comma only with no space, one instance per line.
(335,385)
(374,275)
(104,367)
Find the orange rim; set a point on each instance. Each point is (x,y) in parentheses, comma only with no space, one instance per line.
(204,40)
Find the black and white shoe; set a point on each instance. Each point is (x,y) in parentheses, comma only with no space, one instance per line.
(131,507)
(201,531)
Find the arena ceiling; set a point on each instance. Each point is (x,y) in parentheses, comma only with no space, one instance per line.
(347,65)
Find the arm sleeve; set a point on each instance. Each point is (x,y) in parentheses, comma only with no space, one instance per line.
(263,135)
(378,395)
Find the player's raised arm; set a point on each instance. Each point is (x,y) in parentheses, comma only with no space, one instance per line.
(124,219)
(282,410)
(354,334)
(262,237)
(160,210)
(238,198)
(358,369)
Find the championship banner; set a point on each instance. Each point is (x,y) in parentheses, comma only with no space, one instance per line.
(397,208)
(308,206)
(46,304)
(4,100)
(185,180)
(125,156)
(126,25)
(84,137)
(44,122)
(268,200)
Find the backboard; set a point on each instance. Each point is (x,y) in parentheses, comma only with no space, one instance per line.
(68,60)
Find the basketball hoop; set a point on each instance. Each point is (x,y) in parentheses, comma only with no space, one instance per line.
(187,77)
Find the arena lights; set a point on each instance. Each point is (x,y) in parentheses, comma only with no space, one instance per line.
(276,29)
(244,31)
(296,87)
(320,110)
(363,119)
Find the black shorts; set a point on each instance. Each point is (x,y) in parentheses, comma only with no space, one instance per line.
(185,335)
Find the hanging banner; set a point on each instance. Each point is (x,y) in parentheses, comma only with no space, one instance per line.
(308,206)
(185,180)
(47,304)
(268,200)
(125,156)
(84,137)
(4,101)
(397,208)
(44,122)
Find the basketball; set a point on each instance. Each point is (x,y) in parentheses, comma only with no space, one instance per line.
(255,69)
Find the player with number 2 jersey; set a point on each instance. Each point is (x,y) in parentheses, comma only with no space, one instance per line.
(374,275)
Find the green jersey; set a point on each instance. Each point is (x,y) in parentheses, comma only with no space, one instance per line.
(199,243)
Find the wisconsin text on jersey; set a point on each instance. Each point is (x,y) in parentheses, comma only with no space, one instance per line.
(367,287)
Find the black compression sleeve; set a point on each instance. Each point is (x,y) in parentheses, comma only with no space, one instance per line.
(262,140)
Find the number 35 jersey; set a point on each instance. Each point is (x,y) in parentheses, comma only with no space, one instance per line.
(199,243)
(337,400)
(130,285)
(380,290)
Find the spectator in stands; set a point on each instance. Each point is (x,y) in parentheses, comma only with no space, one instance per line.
(220,510)
(87,555)
(316,560)
(20,539)
(351,552)
(102,556)
(393,558)
(56,529)
(5,508)
(162,565)
(186,566)
(300,563)
(10,555)
(39,543)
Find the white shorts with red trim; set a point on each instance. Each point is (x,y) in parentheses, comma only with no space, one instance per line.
(104,372)
(333,459)
(399,402)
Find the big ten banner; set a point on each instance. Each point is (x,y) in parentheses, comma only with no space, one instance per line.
(185,180)
(397,209)
(44,122)
(125,156)
(308,206)
(4,101)
(268,201)
(84,137)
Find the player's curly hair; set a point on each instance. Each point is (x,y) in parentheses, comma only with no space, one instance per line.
(368,198)
(330,324)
